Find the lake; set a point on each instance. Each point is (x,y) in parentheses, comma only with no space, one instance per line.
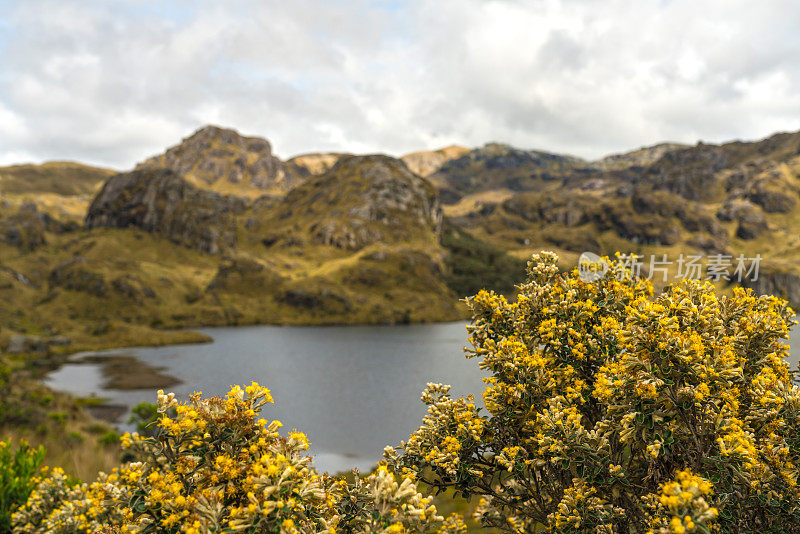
(352,389)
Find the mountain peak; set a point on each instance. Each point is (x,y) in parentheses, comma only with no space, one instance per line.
(219,135)
(223,160)
(426,162)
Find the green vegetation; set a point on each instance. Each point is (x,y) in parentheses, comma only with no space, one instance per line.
(473,265)
(17,469)
(145,416)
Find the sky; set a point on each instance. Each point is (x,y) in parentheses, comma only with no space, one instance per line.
(112,82)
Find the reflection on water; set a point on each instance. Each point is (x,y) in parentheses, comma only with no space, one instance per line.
(353,390)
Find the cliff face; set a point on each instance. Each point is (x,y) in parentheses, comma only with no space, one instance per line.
(159,201)
(223,160)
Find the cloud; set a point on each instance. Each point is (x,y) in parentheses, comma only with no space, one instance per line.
(114,82)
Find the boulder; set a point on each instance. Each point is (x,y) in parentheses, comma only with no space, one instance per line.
(751,222)
(773,201)
(26,343)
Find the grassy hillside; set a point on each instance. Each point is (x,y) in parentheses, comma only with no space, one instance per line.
(57,177)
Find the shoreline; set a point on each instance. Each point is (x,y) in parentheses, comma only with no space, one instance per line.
(190,334)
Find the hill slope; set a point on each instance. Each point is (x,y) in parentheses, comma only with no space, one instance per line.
(58,177)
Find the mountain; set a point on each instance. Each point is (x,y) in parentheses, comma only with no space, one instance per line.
(360,242)
(637,158)
(734,198)
(222,160)
(427,162)
(498,166)
(360,201)
(219,231)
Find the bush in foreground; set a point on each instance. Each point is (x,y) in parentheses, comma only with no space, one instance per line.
(216,467)
(611,410)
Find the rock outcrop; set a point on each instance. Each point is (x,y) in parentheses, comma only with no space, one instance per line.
(751,223)
(26,228)
(159,201)
(215,157)
(75,275)
(243,275)
(361,200)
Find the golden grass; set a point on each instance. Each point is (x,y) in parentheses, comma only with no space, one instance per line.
(82,457)
(471,202)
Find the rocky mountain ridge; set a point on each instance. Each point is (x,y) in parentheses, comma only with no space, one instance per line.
(223,160)
(219,230)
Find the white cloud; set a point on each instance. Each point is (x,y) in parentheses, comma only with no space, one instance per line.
(114,82)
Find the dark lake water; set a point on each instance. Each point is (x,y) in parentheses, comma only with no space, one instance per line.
(353,390)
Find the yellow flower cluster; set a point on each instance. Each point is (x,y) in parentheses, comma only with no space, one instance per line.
(684,506)
(580,506)
(214,467)
(602,392)
(58,505)
(450,428)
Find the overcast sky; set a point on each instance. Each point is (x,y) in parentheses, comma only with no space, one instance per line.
(112,82)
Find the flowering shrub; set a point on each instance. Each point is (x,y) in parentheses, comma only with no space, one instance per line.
(216,467)
(614,410)
(17,477)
